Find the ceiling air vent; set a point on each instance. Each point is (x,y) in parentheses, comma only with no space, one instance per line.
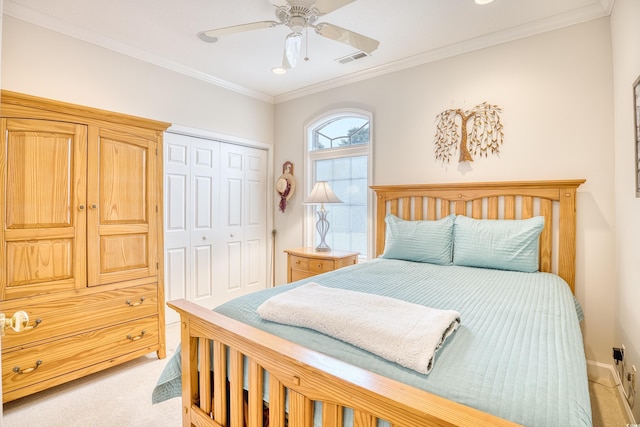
(352,57)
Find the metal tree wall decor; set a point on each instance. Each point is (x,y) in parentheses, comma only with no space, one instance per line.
(486,133)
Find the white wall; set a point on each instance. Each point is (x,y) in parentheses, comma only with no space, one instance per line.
(556,93)
(555,90)
(44,63)
(625,30)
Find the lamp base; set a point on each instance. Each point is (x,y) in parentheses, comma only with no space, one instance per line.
(322,226)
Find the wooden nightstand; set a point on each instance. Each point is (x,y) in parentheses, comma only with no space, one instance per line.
(306,262)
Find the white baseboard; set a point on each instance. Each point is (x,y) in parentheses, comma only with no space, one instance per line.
(603,372)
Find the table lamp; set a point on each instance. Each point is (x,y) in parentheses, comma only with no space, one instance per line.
(321,194)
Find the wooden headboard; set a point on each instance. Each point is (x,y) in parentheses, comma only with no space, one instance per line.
(493,200)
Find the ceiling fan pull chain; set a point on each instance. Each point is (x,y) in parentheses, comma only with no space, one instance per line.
(306,44)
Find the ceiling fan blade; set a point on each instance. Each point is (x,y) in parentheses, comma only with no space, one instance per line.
(342,35)
(292,46)
(326,6)
(213,34)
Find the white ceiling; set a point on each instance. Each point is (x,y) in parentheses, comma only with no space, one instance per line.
(410,32)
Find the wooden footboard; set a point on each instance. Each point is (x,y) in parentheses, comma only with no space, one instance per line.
(253,356)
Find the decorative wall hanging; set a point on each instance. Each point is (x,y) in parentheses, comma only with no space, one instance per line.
(486,133)
(636,114)
(286,185)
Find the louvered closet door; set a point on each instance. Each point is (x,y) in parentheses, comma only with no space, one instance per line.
(122,211)
(191,185)
(243,178)
(42,191)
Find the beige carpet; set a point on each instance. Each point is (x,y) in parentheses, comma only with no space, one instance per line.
(121,397)
(606,409)
(116,397)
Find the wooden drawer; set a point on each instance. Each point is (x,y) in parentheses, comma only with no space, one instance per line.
(345,262)
(318,266)
(299,275)
(63,356)
(72,315)
(299,263)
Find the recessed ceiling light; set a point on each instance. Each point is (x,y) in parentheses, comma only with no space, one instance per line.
(278,70)
(483,1)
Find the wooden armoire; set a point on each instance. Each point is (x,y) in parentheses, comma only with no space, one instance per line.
(81,242)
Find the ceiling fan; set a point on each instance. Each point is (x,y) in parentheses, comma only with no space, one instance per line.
(300,15)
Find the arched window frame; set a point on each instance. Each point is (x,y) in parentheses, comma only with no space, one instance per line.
(310,156)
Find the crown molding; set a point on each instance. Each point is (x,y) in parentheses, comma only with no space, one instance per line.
(587,13)
(515,33)
(29,15)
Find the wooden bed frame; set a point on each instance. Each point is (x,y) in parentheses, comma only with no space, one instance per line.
(219,399)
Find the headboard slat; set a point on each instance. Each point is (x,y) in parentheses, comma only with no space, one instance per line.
(506,200)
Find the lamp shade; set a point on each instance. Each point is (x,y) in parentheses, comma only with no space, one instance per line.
(320,194)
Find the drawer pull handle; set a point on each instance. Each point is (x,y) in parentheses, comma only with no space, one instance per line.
(137,337)
(35,325)
(319,265)
(135,304)
(19,371)
(298,261)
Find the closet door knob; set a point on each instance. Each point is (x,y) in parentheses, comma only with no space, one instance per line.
(94,206)
(81,207)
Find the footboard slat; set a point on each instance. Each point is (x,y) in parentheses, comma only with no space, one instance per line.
(362,419)
(255,394)
(204,384)
(236,394)
(219,382)
(276,403)
(300,410)
(307,376)
(331,415)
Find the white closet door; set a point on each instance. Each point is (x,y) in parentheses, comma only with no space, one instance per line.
(243,178)
(191,183)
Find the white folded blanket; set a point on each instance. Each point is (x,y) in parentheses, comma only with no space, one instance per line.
(402,332)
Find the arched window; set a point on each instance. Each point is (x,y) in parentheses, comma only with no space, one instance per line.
(338,147)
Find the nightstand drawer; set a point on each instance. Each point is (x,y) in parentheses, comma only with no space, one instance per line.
(306,262)
(318,266)
(299,275)
(299,263)
(346,262)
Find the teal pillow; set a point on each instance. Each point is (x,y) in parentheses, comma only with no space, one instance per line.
(500,244)
(420,241)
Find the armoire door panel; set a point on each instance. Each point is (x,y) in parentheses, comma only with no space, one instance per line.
(121,207)
(124,252)
(43,179)
(123,199)
(39,263)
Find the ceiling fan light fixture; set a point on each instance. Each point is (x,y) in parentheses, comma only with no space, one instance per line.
(279,70)
(292,46)
(483,2)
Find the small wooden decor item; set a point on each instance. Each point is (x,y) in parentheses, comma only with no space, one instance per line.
(286,185)
(486,133)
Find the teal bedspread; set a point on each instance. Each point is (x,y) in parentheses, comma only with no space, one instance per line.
(517,354)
